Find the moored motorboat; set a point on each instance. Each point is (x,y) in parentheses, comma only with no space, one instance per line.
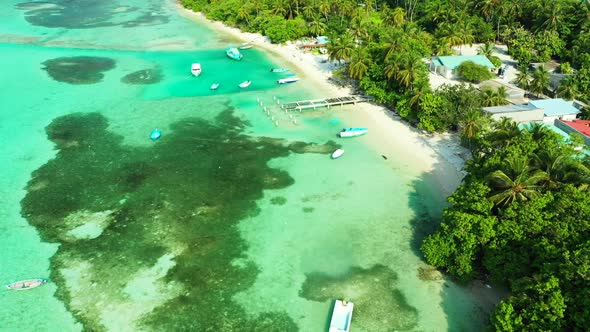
(233,53)
(27,284)
(279,70)
(155,134)
(352,132)
(196,69)
(214,86)
(245,46)
(288,80)
(337,154)
(245,84)
(341,316)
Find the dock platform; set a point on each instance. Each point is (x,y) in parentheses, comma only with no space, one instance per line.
(328,102)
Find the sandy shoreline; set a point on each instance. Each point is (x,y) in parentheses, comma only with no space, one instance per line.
(439,155)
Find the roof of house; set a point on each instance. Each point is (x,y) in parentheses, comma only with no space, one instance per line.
(453,61)
(509,108)
(581,126)
(555,107)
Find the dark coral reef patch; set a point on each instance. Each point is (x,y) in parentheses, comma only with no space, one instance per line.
(378,303)
(125,208)
(79,69)
(144,76)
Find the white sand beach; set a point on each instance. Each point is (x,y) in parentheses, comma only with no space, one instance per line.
(440,155)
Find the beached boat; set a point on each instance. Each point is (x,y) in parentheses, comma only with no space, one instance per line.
(245,46)
(26,284)
(214,86)
(279,70)
(352,132)
(233,53)
(341,316)
(288,80)
(337,154)
(245,84)
(155,135)
(196,69)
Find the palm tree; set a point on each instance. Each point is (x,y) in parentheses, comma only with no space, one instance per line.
(244,14)
(472,124)
(557,164)
(486,49)
(492,97)
(398,17)
(317,26)
(505,131)
(553,18)
(341,48)
(359,65)
(540,81)
(409,71)
(568,89)
(539,131)
(523,79)
(519,182)
(391,66)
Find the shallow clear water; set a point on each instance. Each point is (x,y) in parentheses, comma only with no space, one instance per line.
(223,212)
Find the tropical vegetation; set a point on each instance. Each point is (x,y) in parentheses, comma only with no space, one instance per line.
(522,215)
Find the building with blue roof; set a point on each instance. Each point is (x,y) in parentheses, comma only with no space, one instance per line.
(446,66)
(556,109)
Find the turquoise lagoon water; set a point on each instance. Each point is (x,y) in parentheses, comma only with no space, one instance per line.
(236,219)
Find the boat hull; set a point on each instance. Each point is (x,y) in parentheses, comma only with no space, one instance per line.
(288,80)
(27,284)
(337,154)
(341,316)
(214,86)
(245,84)
(155,135)
(352,132)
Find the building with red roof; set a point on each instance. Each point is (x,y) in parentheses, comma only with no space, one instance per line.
(581,127)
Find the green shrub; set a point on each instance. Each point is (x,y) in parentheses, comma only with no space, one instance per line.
(473,72)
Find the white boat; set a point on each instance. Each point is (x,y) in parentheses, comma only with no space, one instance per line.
(245,46)
(26,284)
(288,80)
(279,70)
(234,53)
(245,84)
(352,132)
(337,154)
(341,316)
(214,86)
(196,69)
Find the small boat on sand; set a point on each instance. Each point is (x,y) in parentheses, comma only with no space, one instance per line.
(337,154)
(245,84)
(27,284)
(196,69)
(214,86)
(245,46)
(279,70)
(353,132)
(155,135)
(341,316)
(288,80)
(233,53)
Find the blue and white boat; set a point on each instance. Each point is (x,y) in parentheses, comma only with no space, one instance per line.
(279,70)
(353,132)
(155,135)
(214,86)
(341,316)
(288,80)
(233,53)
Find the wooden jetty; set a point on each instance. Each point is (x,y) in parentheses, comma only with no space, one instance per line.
(328,102)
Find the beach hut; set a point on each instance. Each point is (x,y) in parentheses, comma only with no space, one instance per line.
(446,66)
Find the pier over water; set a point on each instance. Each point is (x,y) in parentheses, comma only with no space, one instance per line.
(328,102)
